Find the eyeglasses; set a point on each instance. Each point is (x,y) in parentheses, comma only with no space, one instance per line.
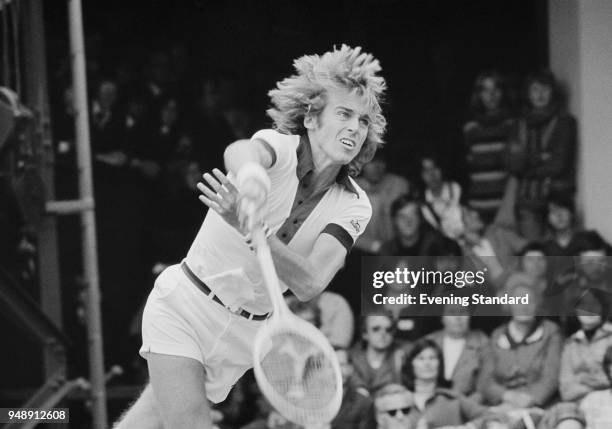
(394,413)
(387,329)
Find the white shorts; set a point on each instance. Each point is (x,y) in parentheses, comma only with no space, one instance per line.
(180,320)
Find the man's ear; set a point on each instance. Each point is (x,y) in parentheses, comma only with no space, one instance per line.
(310,122)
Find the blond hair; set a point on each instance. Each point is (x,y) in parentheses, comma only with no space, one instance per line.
(305,93)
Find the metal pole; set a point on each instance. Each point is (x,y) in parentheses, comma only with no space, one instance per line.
(90,257)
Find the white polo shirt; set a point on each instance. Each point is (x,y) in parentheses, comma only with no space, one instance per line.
(220,257)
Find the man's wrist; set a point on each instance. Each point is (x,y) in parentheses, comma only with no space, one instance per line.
(248,238)
(253,171)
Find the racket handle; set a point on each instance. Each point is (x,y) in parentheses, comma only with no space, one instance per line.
(266,264)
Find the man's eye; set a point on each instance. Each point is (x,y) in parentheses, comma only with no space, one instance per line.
(343,114)
(365,122)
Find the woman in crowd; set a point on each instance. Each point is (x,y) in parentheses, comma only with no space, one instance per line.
(522,366)
(435,403)
(581,363)
(486,135)
(541,153)
(463,350)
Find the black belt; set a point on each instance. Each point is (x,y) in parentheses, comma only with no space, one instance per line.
(209,293)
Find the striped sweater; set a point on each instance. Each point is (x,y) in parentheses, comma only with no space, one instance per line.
(486,142)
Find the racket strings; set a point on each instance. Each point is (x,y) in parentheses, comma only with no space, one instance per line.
(300,372)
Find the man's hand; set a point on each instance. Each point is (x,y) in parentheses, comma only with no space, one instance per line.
(223,198)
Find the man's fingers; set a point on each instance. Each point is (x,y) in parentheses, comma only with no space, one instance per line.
(212,182)
(211,204)
(224,181)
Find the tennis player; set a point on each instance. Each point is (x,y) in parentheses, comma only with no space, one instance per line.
(202,316)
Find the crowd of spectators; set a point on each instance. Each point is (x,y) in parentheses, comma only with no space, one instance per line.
(546,364)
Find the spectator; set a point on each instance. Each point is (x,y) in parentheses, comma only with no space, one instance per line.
(532,271)
(596,405)
(337,320)
(486,136)
(423,374)
(106,126)
(561,218)
(491,247)
(357,410)
(463,350)
(442,208)
(541,153)
(413,236)
(382,188)
(591,275)
(522,365)
(378,360)
(393,404)
(582,371)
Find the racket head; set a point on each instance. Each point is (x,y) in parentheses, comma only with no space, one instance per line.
(297,371)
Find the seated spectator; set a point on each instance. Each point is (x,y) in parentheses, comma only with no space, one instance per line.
(491,247)
(532,271)
(522,365)
(337,320)
(413,236)
(597,405)
(330,313)
(393,404)
(486,137)
(305,310)
(378,360)
(564,416)
(382,188)
(435,403)
(463,350)
(561,221)
(582,371)
(541,153)
(442,208)
(357,410)
(591,275)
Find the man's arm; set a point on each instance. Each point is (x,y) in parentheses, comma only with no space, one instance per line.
(308,276)
(305,276)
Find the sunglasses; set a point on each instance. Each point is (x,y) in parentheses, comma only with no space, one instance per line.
(382,328)
(394,413)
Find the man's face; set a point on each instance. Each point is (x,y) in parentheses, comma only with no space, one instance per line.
(593,264)
(407,220)
(539,95)
(456,321)
(534,264)
(430,173)
(525,313)
(378,332)
(340,130)
(559,218)
(392,411)
(490,94)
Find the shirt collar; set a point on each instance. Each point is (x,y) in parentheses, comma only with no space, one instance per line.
(306,165)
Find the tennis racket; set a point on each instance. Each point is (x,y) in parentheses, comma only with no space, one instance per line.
(295,366)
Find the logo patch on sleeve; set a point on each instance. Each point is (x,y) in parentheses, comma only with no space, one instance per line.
(356,225)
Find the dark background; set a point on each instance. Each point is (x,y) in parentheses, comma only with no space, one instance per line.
(430,51)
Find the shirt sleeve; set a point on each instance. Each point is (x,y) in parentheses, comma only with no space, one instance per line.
(348,225)
(280,145)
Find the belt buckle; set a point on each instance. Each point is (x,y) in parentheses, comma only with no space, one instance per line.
(234,309)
